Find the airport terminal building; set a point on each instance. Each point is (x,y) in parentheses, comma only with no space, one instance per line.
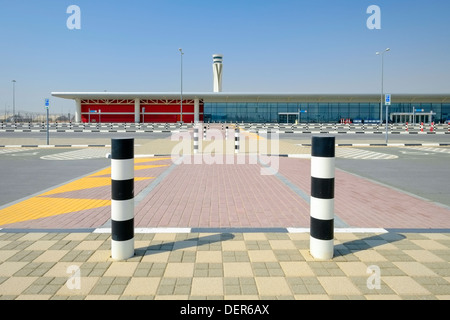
(218,106)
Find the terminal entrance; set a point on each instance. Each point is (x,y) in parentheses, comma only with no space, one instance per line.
(410,117)
(289,118)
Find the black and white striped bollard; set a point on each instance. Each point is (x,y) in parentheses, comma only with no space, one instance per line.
(226,133)
(236,140)
(204,132)
(195,140)
(322,197)
(122,198)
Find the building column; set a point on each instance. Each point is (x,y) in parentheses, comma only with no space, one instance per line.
(137,110)
(77,110)
(196,110)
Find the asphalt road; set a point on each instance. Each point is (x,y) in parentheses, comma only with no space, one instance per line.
(23,173)
(422,171)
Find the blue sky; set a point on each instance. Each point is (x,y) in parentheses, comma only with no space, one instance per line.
(268,46)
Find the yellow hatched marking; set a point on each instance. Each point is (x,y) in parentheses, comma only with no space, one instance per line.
(86,183)
(36,208)
(42,207)
(107,171)
(141,160)
(83,183)
(103,172)
(150,166)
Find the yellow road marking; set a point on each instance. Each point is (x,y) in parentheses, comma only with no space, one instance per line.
(150,166)
(253,135)
(107,171)
(86,183)
(141,160)
(43,206)
(81,184)
(36,208)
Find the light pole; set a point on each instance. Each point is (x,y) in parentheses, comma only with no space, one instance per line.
(181,101)
(14,101)
(382,82)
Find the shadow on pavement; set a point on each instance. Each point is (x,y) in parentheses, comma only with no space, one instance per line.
(183,244)
(371,242)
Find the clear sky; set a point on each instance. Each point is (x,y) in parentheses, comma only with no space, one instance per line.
(320,46)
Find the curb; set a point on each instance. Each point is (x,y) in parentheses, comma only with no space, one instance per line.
(57,146)
(227,230)
(384,145)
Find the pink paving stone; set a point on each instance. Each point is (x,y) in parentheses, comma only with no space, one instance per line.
(237,188)
(363,203)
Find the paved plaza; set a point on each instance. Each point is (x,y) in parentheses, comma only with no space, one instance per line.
(232,226)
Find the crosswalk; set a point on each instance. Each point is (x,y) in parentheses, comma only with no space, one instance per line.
(13,150)
(431,149)
(89,153)
(353,153)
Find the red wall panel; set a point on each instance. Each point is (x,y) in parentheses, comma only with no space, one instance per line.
(128,112)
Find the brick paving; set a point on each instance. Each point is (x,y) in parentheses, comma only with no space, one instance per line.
(221,195)
(226,266)
(364,203)
(230,265)
(237,195)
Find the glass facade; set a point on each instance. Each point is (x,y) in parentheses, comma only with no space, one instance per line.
(269,112)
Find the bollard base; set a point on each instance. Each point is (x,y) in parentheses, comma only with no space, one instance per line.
(321,249)
(122,250)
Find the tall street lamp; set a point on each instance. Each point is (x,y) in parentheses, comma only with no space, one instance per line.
(382,82)
(181,111)
(14,100)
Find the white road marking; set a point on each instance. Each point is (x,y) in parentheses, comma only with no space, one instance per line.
(13,150)
(353,153)
(426,150)
(89,153)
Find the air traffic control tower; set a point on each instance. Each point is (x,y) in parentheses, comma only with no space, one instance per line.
(217,71)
